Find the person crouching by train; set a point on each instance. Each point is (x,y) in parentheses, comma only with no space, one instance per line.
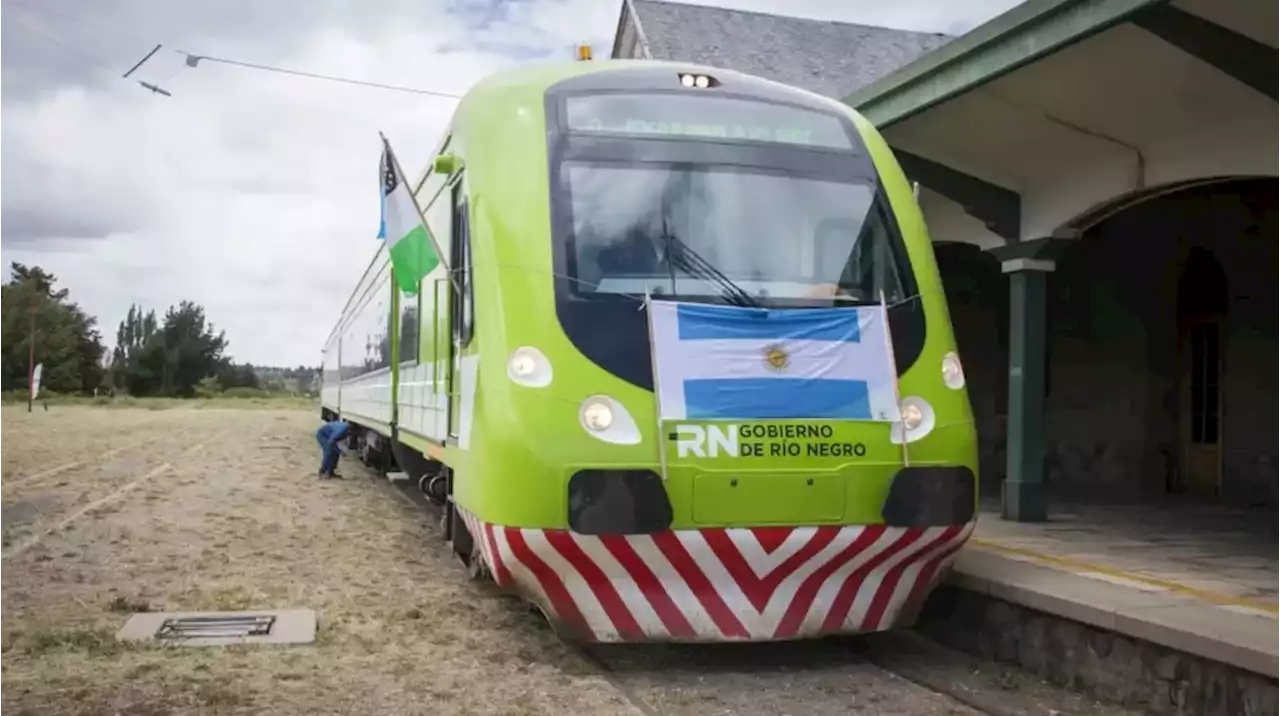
(329,435)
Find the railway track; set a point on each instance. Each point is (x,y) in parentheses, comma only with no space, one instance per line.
(898,672)
(845,676)
(893,672)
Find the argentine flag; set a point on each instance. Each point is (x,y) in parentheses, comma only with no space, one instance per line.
(742,363)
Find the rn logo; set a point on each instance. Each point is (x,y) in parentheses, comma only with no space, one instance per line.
(708,441)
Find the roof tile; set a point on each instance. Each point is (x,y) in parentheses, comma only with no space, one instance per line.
(830,58)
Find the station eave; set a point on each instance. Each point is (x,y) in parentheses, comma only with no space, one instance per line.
(998,208)
(1013,39)
(1246,60)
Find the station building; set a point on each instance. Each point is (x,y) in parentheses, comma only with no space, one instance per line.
(1100,180)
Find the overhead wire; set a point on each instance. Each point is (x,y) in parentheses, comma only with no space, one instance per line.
(50,11)
(80,53)
(55,41)
(193,57)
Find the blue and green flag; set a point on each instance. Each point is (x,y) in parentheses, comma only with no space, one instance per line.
(414,252)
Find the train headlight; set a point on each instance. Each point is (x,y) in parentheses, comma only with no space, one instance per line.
(606,419)
(952,371)
(528,366)
(912,416)
(597,415)
(917,420)
(523,365)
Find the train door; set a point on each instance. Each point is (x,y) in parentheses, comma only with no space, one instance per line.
(461,306)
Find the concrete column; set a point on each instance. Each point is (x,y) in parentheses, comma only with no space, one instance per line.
(1024,498)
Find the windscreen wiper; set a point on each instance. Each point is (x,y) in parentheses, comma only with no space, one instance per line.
(695,265)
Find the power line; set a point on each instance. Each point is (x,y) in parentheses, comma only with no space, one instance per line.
(51,13)
(193,59)
(53,40)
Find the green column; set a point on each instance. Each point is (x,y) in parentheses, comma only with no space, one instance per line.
(1024,498)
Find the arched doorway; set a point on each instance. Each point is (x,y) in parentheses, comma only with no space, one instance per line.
(1202,307)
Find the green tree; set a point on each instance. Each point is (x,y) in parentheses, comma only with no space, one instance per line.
(208,387)
(133,365)
(233,375)
(168,357)
(302,379)
(191,349)
(66,339)
(295,381)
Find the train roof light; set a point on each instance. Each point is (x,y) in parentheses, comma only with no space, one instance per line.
(688,79)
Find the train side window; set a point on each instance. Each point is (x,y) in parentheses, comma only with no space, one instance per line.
(464,298)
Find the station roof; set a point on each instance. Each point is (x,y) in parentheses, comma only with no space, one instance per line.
(1034,119)
(830,58)
(1035,123)
(890,97)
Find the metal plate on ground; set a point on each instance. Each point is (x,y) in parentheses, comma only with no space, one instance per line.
(268,626)
(197,627)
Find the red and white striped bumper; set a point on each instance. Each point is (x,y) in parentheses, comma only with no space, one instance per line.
(751,584)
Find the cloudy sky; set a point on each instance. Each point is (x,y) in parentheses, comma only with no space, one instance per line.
(251,192)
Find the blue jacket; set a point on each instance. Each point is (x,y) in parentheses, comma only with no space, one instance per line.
(333,432)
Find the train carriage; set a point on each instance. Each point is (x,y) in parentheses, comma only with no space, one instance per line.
(545,385)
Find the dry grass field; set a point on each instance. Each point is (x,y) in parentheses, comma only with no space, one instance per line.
(107,512)
(162,506)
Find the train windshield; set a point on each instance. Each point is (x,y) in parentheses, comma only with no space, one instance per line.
(735,194)
(745,235)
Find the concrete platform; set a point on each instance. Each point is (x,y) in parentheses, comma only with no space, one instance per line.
(1211,553)
(1240,637)
(1168,609)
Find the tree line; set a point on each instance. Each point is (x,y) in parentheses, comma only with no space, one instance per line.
(177,354)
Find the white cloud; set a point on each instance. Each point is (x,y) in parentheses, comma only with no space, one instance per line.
(253,193)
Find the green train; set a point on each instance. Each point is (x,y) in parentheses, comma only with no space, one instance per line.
(690,373)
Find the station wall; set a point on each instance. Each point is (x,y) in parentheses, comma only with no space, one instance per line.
(1117,411)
